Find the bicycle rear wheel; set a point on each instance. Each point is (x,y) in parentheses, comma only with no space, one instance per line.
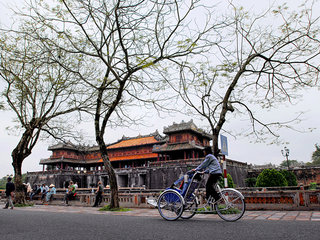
(170,205)
(190,209)
(231,206)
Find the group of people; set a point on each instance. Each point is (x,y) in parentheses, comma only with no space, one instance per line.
(71,193)
(48,192)
(45,191)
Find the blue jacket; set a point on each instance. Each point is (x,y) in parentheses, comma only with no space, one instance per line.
(210,163)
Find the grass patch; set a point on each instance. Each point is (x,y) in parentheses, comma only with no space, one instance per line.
(227,211)
(24,204)
(206,210)
(107,208)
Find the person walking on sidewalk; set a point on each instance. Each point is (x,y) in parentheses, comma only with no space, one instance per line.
(9,193)
(98,194)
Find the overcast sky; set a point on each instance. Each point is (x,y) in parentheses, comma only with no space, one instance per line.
(301,145)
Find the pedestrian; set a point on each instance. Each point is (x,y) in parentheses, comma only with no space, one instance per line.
(9,193)
(99,192)
(212,165)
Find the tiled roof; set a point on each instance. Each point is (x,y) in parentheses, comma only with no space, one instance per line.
(134,157)
(176,147)
(59,160)
(134,142)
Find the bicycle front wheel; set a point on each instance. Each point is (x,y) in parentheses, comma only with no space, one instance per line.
(231,206)
(170,205)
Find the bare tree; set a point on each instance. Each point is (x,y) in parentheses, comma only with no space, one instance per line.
(39,91)
(261,62)
(132,42)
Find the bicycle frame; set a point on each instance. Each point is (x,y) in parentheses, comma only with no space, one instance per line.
(207,204)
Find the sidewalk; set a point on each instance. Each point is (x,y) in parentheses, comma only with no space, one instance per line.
(148,212)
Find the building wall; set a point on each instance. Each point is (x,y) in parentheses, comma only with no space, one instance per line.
(156,177)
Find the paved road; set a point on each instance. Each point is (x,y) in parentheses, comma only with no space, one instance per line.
(56,222)
(313,216)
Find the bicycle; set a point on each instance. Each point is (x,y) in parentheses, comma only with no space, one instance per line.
(184,202)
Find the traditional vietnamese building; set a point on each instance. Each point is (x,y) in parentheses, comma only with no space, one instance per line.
(151,161)
(183,141)
(125,153)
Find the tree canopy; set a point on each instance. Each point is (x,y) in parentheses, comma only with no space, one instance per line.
(131,43)
(38,90)
(316,156)
(259,62)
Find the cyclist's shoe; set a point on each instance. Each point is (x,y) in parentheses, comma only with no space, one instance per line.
(212,200)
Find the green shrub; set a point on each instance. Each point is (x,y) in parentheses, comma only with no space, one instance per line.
(290,177)
(3,182)
(313,186)
(229,180)
(271,178)
(251,182)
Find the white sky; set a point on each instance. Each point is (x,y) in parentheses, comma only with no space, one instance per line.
(301,145)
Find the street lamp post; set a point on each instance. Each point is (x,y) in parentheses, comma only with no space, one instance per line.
(285,153)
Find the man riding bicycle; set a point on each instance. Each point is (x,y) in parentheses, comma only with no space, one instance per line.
(212,165)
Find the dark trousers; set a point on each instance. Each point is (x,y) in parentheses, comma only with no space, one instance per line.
(210,191)
(68,196)
(98,199)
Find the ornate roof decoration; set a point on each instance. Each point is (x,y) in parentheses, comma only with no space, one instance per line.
(185,126)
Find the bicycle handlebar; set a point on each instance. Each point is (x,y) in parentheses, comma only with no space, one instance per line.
(200,172)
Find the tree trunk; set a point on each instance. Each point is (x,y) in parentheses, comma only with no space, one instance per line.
(21,152)
(17,164)
(215,147)
(114,201)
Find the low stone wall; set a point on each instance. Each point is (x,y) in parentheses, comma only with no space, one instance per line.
(283,200)
(255,200)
